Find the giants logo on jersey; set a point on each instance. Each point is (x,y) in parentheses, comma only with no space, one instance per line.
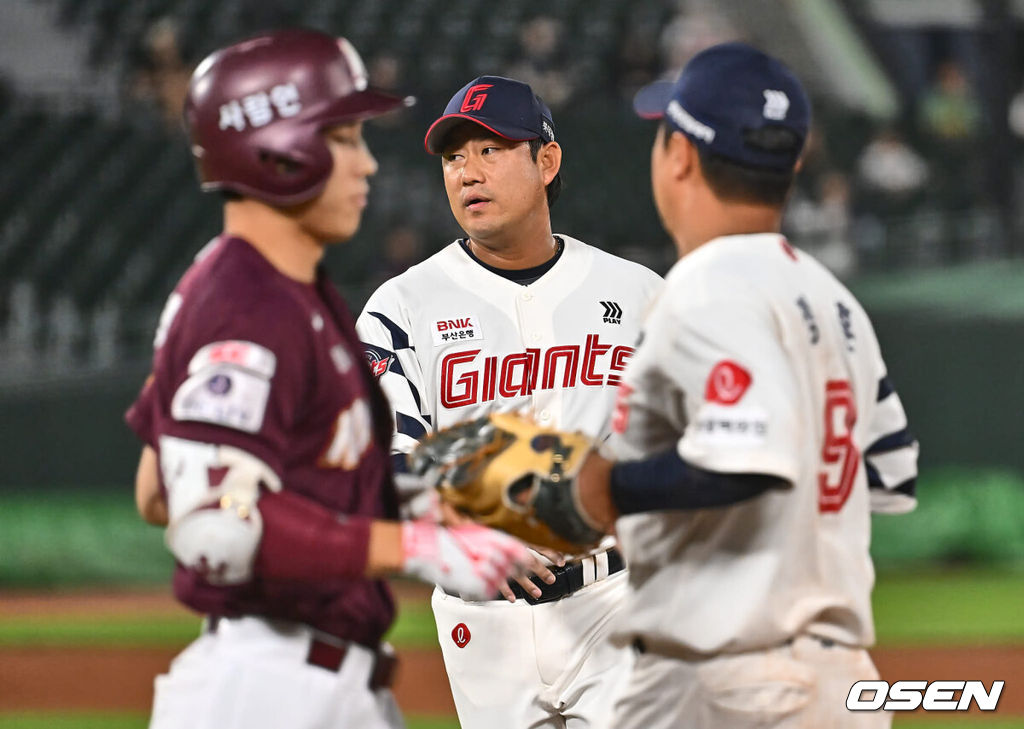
(465,381)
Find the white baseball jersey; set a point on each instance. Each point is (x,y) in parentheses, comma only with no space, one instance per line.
(451,340)
(755,359)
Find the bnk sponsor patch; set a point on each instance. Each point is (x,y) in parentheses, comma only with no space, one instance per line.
(463,328)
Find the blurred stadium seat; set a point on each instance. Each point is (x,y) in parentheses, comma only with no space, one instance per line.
(99,209)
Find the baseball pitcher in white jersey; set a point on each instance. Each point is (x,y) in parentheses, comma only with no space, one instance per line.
(755,432)
(514,318)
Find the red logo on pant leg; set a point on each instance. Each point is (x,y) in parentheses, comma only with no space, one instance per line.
(460,634)
(727,383)
(474,99)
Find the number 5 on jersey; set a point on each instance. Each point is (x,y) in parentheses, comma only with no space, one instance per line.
(840,456)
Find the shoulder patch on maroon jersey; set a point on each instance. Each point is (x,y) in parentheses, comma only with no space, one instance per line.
(727,383)
(247,355)
(228,385)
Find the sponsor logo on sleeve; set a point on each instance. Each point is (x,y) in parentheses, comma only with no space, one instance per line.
(223,394)
(463,328)
(247,355)
(729,426)
(378,362)
(219,384)
(727,383)
(228,385)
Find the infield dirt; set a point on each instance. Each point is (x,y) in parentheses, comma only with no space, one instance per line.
(98,678)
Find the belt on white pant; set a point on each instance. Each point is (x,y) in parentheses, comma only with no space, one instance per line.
(572,577)
(319,649)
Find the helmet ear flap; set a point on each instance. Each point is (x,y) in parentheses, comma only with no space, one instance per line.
(280,165)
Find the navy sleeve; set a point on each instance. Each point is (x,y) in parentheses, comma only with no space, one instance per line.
(666,482)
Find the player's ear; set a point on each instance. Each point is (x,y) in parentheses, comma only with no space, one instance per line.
(682,156)
(549,159)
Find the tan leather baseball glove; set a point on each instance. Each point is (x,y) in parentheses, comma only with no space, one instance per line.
(509,473)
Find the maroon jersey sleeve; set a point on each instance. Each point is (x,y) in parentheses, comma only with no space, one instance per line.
(236,377)
(140,415)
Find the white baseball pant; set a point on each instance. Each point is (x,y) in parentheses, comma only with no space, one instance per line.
(545,666)
(800,685)
(253,673)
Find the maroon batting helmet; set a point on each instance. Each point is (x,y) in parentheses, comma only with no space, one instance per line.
(255,111)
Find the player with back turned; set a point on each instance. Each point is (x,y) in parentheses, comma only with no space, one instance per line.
(514,317)
(760,427)
(267,439)
(756,430)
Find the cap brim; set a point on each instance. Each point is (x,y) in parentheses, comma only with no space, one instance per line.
(437,132)
(365,104)
(651,101)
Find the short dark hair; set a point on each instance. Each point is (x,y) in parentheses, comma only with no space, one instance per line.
(741,183)
(554,188)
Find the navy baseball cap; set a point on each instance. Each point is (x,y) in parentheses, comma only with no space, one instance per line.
(507,107)
(726,92)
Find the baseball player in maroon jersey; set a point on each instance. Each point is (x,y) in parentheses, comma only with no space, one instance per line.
(267,440)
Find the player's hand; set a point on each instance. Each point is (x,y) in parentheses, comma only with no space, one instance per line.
(538,568)
(468,560)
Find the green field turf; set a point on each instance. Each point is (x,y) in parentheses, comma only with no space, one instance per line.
(414,629)
(953,608)
(950,608)
(58,539)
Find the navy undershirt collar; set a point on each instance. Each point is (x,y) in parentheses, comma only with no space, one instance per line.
(521,276)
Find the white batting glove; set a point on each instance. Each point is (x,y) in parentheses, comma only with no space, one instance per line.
(468,560)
